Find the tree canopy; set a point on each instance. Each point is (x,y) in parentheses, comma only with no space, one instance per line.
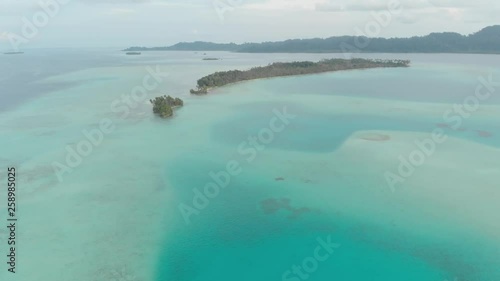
(486,40)
(163,106)
(277,69)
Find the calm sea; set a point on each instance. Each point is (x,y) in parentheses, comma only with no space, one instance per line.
(275,179)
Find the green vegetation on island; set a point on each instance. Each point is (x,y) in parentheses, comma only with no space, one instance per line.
(164,105)
(486,40)
(278,69)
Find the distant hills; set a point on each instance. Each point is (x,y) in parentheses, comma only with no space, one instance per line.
(486,40)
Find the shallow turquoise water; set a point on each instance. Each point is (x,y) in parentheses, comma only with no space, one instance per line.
(117,213)
(234,238)
(326,132)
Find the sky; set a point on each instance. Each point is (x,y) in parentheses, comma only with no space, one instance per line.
(123,23)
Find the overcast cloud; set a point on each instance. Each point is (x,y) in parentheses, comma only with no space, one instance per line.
(121,23)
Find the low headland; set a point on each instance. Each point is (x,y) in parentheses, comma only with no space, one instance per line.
(164,106)
(279,69)
(484,41)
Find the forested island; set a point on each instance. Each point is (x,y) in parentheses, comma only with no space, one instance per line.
(164,106)
(278,69)
(485,41)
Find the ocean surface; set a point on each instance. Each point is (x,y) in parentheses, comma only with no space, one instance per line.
(251,181)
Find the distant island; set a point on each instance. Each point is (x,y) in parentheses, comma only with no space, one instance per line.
(278,69)
(486,41)
(163,106)
(13,53)
(210,59)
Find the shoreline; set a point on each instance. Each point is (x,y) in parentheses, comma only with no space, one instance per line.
(286,76)
(286,69)
(338,52)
